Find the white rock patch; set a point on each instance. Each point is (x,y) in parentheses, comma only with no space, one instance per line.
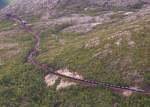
(64,84)
(66,72)
(118,43)
(50,79)
(94,42)
(131,43)
(128,93)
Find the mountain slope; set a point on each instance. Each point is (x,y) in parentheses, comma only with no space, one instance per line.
(38,7)
(99,44)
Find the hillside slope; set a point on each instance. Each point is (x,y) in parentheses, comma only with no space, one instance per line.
(107,45)
(38,7)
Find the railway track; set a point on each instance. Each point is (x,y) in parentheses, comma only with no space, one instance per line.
(34,51)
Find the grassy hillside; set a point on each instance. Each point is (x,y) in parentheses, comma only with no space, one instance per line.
(118,55)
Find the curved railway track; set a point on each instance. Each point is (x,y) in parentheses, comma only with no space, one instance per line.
(34,51)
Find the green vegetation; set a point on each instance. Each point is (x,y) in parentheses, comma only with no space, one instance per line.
(22,85)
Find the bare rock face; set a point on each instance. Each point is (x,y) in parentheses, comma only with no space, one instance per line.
(146,1)
(117,3)
(43,7)
(92,43)
(64,84)
(30,7)
(51,79)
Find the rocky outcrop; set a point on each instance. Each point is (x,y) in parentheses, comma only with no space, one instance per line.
(116,3)
(51,79)
(78,23)
(45,7)
(33,7)
(146,1)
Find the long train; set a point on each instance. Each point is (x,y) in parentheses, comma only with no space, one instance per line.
(34,52)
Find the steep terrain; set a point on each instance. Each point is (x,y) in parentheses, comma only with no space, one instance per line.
(39,7)
(100,42)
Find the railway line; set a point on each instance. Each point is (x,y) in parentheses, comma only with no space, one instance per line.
(34,51)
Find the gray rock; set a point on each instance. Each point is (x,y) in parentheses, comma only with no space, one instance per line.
(49,7)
